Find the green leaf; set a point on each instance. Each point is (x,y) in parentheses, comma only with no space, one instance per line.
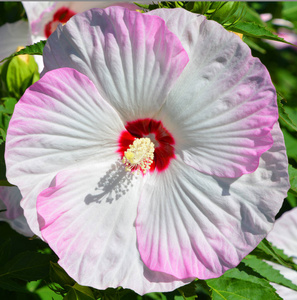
(289,11)
(35,49)
(78,292)
(291,143)
(293,179)
(189,291)
(3,178)
(58,275)
(198,7)
(11,12)
(241,284)
(8,105)
(265,250)
(255,30)
(253,45)
(283,115)
(46,293)
(11,285)
(26,266)
(268,271)
(292,199)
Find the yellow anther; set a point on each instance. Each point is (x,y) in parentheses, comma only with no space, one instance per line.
(139,156)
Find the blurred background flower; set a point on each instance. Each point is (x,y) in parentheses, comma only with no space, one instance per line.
(12,213)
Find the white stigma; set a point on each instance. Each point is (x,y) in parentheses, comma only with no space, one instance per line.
(139,156)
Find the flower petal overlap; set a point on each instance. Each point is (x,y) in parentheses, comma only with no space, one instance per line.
(222,124)
(208,107)
(284,236)
(208,223)
(135,58)
(57,125)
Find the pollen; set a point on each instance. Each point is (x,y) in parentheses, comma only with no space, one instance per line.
(139,156)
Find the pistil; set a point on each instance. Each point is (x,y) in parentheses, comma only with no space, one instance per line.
(139,156)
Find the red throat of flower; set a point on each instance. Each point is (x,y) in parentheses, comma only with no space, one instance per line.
(146,145)
(62,15)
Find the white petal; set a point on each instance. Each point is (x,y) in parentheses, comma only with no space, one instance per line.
(132,58)
(61,120)
(87,217)
(284,233)
(284,236)
(191,224)
(222,108)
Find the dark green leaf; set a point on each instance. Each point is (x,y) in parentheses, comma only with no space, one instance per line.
(292,199)
(283,115)
(78,292)
(293,178)
(253,45)
(26,266)
(291,143)
(35,49)
(255,30)
(11,12)
(58,275)
(2,164)
(11,285)
(189,291)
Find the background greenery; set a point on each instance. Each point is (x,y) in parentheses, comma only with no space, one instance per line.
(28,267)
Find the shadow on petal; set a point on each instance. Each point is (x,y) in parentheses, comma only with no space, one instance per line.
(225,184)
(114,184)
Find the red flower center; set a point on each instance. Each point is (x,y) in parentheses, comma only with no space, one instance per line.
(158,134)
(62,15)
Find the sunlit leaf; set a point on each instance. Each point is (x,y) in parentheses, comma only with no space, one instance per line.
(241,284)
(35,49)
(255,30)
(268,271)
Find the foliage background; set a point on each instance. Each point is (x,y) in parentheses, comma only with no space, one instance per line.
(28,267)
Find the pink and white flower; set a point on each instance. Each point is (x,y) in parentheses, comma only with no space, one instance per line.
(45,16)
(284,236)
(10,198)
(149,152)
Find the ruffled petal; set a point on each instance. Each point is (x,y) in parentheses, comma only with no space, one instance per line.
(61,120)
(191,224)
(90,226)
(132,58)
(284,233)
(223,106)
(10,198)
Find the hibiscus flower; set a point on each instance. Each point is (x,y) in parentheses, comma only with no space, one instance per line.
(149,152)
(12,213)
